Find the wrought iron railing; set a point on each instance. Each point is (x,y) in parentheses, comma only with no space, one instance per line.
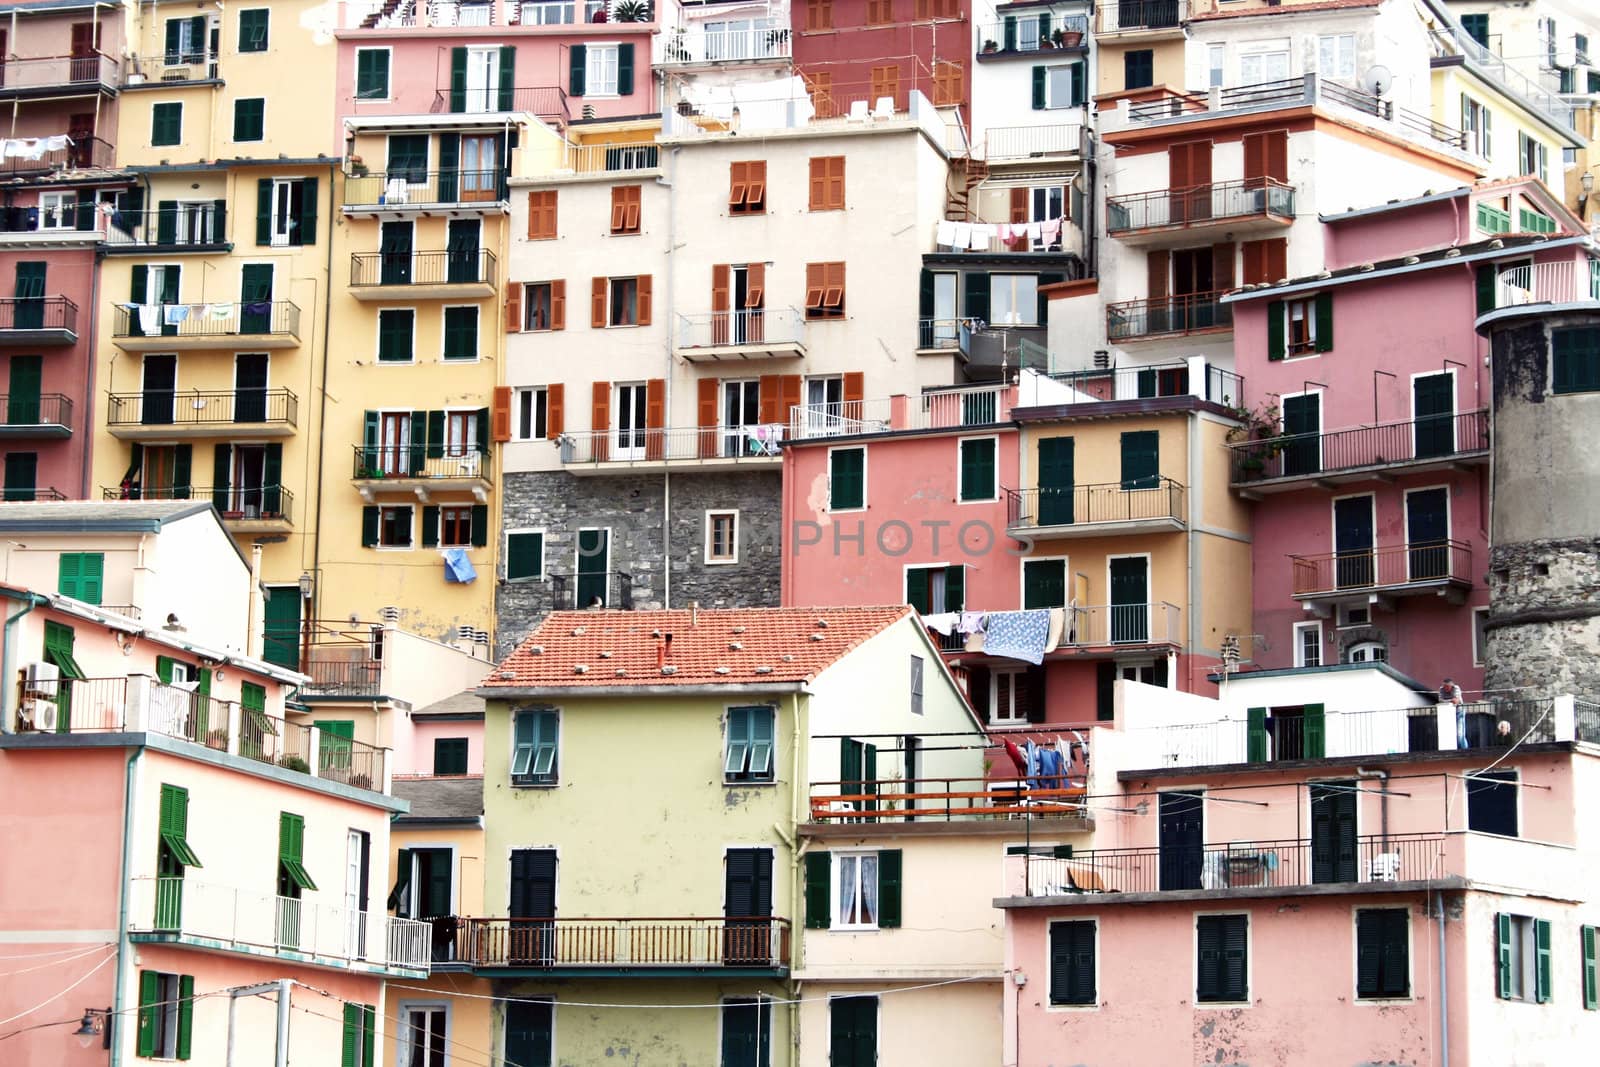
(1033,33)
(1384,567)
(421,461)
(186,226)
(38,313)
(755,442)
(1121,15)
(169,67)
(569,592)
(756,941)
(48,409)
(256,503)
(84,153)
(1200,205)
(541,101)
(221,320)
(1311,455)
(1104,503)
(73,220)
(420,188)
(343,677)
(138,702)
(459,266)
(203,408)
(1158,316)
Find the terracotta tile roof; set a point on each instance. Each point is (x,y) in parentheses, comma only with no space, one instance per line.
(1286,9)
(740,646)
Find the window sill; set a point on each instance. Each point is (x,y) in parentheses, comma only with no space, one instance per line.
(530,580)
(394,362)
(839,928)
(622,326)
(720,562)
(737,783)
(394,548)
(533,785)
(1380,1002)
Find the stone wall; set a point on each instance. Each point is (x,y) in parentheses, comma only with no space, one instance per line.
(1544,620)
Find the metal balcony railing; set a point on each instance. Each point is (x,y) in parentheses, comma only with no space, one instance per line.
(1033,33)
(1107,503)
(187,226)
(460,266)
(686,47)
(1233,865)
(1161,316)
(84,153)
(938,333)
(1386,567)
(643,943)
(169,67)
(420,461)
(94,71)
(936,409)
(1200,205)
(38,313)
(945,800)
(31,492)
(1449,41)
(569,592)
(111,705)
(1152,381)
(1393,444)
(250,318)
(343,677)
(419,188)
(1103,625)
(547,102)
(760,441)
(1024,142)
(47,409)
(746,326)
(605,159)
(990,238)
(65,221)
(1546,283)
(255,503)
(203,408)
(1118,16)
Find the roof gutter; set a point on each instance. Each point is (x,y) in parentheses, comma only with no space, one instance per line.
(550,692)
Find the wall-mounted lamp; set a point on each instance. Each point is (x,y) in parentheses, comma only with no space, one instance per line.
(96,1023)
(305,585)
(1586,183)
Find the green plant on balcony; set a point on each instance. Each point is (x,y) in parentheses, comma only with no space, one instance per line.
(631,11)
(294,763)
(361,781)
(217,739)
(990,46)
(677,50)
(1262,427)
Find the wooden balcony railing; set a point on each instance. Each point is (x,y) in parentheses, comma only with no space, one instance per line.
(1200,205)
(1166,315)
(634,943)
(1388,567)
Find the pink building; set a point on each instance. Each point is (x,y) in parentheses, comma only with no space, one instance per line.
(1368,460)
(1422,905)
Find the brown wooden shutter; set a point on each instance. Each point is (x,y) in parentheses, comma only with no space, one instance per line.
(1253,257)
(834,295)
(789,393)
(655,417)
(855,384)
(706,415)
(618,208)
(500,414)
(738,184)
(1277,151)
(815,283)
(513,307)
(1157,264)
(819,183)
(755,289)
(721,301)
(771,398)
(1222,266)
(558,304)
(645,299)
(756,195)
(597,303)
(600,419)
(533,215)
(836,182)
(1255,159)
(555,418)
(542,214)
(633,203)
(1019,205)
(1277,256)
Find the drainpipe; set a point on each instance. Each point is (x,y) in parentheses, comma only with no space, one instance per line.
(7,713)
(308,608)
(1444,990)
(1382,777)
(93,348)
(130,776)
(796,812)
(670,184)
(1191,545)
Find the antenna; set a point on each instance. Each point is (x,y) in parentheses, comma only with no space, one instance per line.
(1378,80)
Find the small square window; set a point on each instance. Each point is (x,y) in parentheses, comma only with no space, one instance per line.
(449,755)
(253,26)
(1575,359)
(166,125)
(1139,69)
(394,526)
(722,537)
(455,527)
(748,750)
(250,119)
(1301,335)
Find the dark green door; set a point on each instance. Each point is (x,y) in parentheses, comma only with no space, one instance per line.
(22,473)
(396,240)
(1433,408)
(853,1032)
(22,404)
(432,880)
(334,747)
(1428,535)
(858,772)
(255,292)
(594,556)
(30,296)
(463,254)
(160,385)
(1302,425)
(281,630)
(1180,841)
(1352,541)
(1333,832)
(250,387)
(1055,481)
(1130,599)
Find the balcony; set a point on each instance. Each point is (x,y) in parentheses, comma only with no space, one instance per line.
(898,800)
(601,160)
(1150,17)
(1029,35)
(1564,282)
(1168,316)
(1015,143)
(410,193)
(573,947)
(57,76)
(36,227)
(190,227)
(1427,568)
(1100,628)
(36,417)
(84,153)
(305,929)
(1250,206)
(687,49)
(417,469)
(1094,510)
(251,413)
(36,321)
(547,102)
(1152,381)
(939,409)
(168,327)
(625,451)
(169,68)
(747,334)
(1452,45)
(249,509)
(997,238)
(40,492)
(455,273)
(571,592)
(1290,461)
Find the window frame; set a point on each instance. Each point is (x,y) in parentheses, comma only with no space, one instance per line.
(530,777)
(1524,952)
(265,43)
(1016,681)
(461,744)
(411,527)
(740,199)
(918,683)
(404,1029)
(158,109)
(377,341)
(1380,998)
(261,131)
(592,85)
(1508,777)
(530,304)
(388,75)
(444,334)
(505,1024)
(1337,40)
(1307,345)
(1222,1001)
(711,559)
(613,304)
(1300,630)
(835,898)
(627,210)
(993,440)
(538,405)
(748,747)
(457,509)
(821,304)
(1065,70)
(1068,1005)
(862,506)
(1148,57)
(526,531)
(1559,387)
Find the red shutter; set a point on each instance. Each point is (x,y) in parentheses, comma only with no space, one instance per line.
(655,417)
(855,384)
(771,398)
(816,281)
(738,184)
(500,414)
(597,303)
(618,208)
(1278,155)
(1277,256)
(836,182)
(1156,266)
(513,307)
(555,410)
(1222,266)
(706,416)
(600,419)
(789,392)
(756,196)
(558,304)
(1255,159)
(645,300)
(1019,205)
(755,299)
(720,303)
(1253,255)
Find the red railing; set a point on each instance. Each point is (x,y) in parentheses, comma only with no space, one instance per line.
(897,799)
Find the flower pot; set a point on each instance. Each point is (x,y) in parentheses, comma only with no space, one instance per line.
(1071,38)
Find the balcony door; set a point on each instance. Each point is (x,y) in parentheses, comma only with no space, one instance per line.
(824,405)
(1181,840)
(158,390)
(463,243)
(1130,599)
(1056,487)
(1189,182)
(1427,534)
(1193,274)
(1352,542)
(250,387)
(1302,423)
(29,309)
(394,442)
(280,641)
(483,80)
(741,411)
(22,401)
(630,435)
(357,865)
(395,255)
(747,906)
(531,938)
(480,166)
(1433,401)
(255,294)
(85,46)
(1334,855)
(248,475)
(594,565)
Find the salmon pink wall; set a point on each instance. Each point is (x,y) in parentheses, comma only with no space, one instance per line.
(63,809)
(425,732)
(1398,233)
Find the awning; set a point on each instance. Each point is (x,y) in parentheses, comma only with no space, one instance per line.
(297,874)
(180,848)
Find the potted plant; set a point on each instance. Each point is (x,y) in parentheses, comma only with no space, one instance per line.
(1261,426)
(294,763)
(1047,42)
(217,739)
(1069,38)
(631,11)
(990,46)
(361,781)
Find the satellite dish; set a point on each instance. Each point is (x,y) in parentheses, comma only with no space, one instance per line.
(1378,80)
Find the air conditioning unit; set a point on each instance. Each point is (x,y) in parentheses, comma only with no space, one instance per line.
(43,715)
(41,677)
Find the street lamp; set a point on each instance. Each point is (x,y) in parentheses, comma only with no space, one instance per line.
(1586,183)
(95,1023)
(305,585)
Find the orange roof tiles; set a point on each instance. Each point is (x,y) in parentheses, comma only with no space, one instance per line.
(741,646)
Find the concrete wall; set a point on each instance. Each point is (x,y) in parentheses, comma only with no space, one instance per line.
(949,1024)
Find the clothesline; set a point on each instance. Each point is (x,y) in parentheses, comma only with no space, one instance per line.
(1024,635)
(33,147)
(977,236)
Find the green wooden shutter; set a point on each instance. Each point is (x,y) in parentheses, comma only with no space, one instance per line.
(449,165)
(1369,953)
(350,1040)
(369,424)
(185,1015)
(1038,88)
(1141,459)
(140,288)
(975,303)
(369,527)
(1316,731)
(182,471)
(624,70)
(819,876)
(1208,966)
(1008,38)
(174,43)
(1502,930)
(369,1029)
(481,424)
(306,232)
(977,470)
(917,590)
(480,525)
(508,78)
(1044,26)
(1591,979)
(925,299)
(523,554)
(272,479)
(221,476)
(1541,955)
(889,888)
(419,442)
(955,587)
(164,670)
(149,993)
(1396,949)
(435,434)
(167,220)
(458,80)
(264,211)
(69,574)
(1324,338)
(430,526)
(1277,343)
(1077,84)
(575,70)
(1256,735)
(1488,276)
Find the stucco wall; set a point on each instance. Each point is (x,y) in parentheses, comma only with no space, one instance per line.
(950,1024)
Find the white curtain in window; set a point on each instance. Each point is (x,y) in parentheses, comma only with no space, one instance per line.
(869,890)
(847,889)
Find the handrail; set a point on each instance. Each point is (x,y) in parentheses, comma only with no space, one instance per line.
(264,503)
(758,441)
(1096,504)
(38,313)
(1310,455)
(1417,562)
(224,318)
(197,407)
(1199,205)
(453,266)
(900,799)
(419,460)
(1157,316)
(635,942)
(38,409)
(189,225)
(485,187)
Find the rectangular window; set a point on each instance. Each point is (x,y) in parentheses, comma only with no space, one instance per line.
(847,479)
(747,1032)
(947,82)
(747,187)
(1141,459)
(1477,27)
(58,211)
(827,183)
(1492,801)
(424,1035)
(626,204)
(1535,222)
(935,590)
(1308,644)
(722,537)
(1044,584)
(166,1015)
(450,755)
(360,1036)
(1264,61)
(286,212)
(853,1031)
(600,70)
(533,755)
(917,666)
(880,12)
(1222,972)
(748,753)
(1301,335)
(624,302)
(1491,219)
(1008,696)
(1532,156)
(1336,56)
(1063,86)
(531,407)
(455,526)
(1138,69)
(394,526)
(1476,123)
(824,290)
(885,84)
(1072,962)
(1383,953)
(524,555)
(530,1031)
(250,119)
(542,215)
(82,576)
(461,333)
(978,473)
(1575,359)
(1522,958)
(372,74)
(1013,299)
(819,14)
(855,899)
(396,332)
(1480,636)
(253,24)
(166,125)
(545,306)
(1216,57)
(293,878)
(21,477)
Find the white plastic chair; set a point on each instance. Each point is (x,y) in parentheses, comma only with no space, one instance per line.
(1384,867)
(858,111)
(884,108)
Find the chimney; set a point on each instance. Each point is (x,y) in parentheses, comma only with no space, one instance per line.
(663,650)
(694,613)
